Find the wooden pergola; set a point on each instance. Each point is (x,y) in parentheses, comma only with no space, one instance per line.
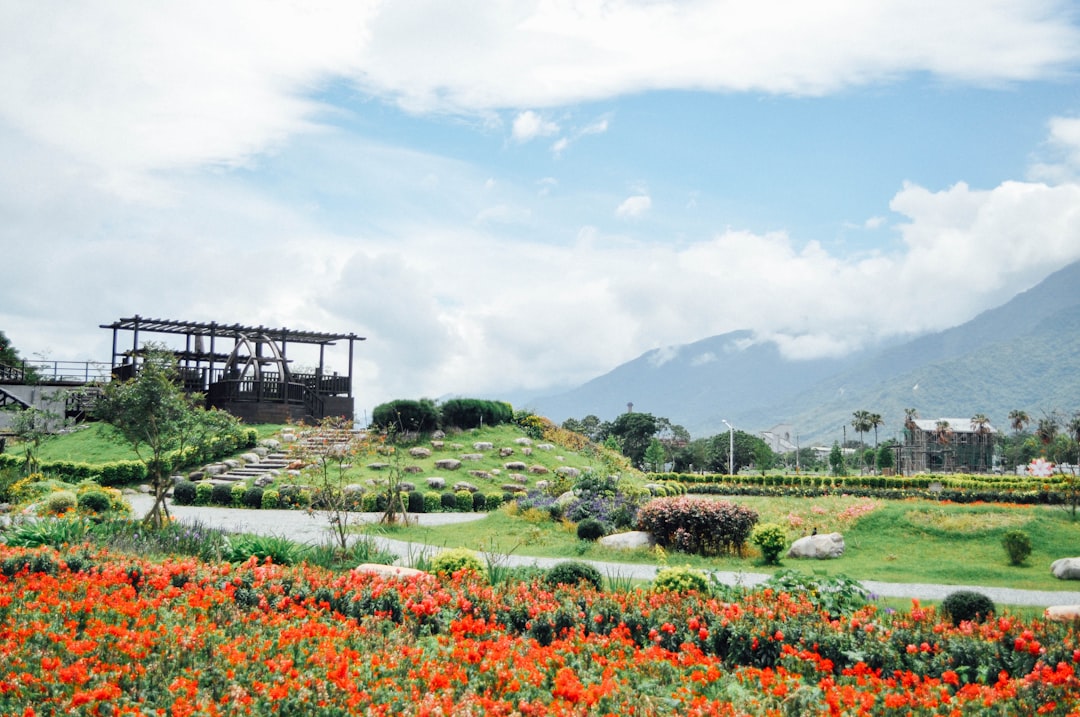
(245,369)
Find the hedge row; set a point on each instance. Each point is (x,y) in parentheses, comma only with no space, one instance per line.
(953,481)
(239,495)
(1029,497)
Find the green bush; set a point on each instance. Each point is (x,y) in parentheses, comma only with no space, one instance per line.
(1017,545)
(238,490)
(681,580)
(468,413)
(448,501)
(772,540)
(204,493)
(967,605)
(222,494)
(59,502)
(463,501)
(590,529)
(833,594)
(184,493)
(281,551)
(432,502)
(479,501)
(95,501)
(572,573)
(493,500)
(451,561)
(271,499)
(405,415)
(47,531)
(415,502)
(253,497)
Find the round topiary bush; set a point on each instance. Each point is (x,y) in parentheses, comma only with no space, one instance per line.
(253,497)
(1017,544)
(771,539)
(451,561)
(463,501)
(221,494)
(448,501)
(479,502)
(590,529)
(59,501)
(572,573)
(432,502)
(967,606)
(416,502)
(184,493)
(685,579)
(271,499)
(204,493)
(96,501)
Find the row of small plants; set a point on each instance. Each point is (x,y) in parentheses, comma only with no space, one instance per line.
(87,632)
(922,481)
(1041,496)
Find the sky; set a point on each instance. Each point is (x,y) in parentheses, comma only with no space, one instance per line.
(511,198)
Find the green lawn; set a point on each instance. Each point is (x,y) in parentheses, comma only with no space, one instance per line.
(895,541)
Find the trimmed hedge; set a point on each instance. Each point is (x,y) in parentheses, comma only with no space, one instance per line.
(698,525)
(468,413)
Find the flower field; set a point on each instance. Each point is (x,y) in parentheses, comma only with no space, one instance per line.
(93,633)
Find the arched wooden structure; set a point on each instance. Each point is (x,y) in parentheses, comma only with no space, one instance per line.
(245,369)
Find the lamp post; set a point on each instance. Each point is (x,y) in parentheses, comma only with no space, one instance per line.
(731,448)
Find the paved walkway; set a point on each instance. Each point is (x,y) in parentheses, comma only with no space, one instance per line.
(303,527)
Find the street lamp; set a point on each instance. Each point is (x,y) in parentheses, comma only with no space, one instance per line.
(731,448)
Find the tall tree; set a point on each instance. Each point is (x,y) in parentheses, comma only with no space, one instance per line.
(860,421)
(655,456)
(876,421)
(1018,419)
(1047,429)
(980,426)
(634,431)
(943,434)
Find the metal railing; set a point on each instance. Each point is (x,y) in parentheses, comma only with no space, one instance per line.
(70,373)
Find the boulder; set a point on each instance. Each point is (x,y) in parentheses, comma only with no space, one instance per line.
(387,571)
(515,466)
(270,444)
(196,475)
(438,445)
(483,446)
(448,464)
(629,540)
(1066,569)
(215,469)
(288,437)
(263,481)
(1062,613)
(472,456)
(462,485)
(261,451)
(546,446)
(523,441)
(406,487)
(568,471)
(420,452)
(538,470)
(519,478)
(378,466)
(233,463)
(482,475)
(542,484)
(819,547)
(436,482)
(565,499)
(513,488)
(506,452)
(526,451)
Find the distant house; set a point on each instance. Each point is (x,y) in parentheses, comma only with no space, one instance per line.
(947,445)
(779,438)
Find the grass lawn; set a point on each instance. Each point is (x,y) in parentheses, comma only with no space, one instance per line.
(892,541)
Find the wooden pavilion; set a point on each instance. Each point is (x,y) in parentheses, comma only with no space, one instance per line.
(245,370)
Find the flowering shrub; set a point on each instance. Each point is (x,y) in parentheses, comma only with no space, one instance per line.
(698,525)
(126,636)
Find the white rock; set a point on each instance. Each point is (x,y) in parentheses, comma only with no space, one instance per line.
(820,547)
(1062,613)
(387,571)
(1066,569)
(628,541)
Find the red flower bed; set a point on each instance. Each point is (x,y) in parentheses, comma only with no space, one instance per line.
(125,636)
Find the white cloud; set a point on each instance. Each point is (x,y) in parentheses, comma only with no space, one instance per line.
(1061,160)
(634,207)
(529,125)
(663,355)
(559,146)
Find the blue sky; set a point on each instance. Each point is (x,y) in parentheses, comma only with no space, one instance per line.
(512,198)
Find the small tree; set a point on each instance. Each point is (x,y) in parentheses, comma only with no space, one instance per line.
(158,420)
(763,457)
(885,457)
(34,426)
(836,460)
(655,457)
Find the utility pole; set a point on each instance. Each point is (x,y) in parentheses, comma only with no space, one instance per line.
(731,448)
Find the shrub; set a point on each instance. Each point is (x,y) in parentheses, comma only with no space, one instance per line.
(836,595)
(468,413)
(271,499)
(494,500)
(451,561)
(967,605)
(95,501)
(237,493)
(432,502)
(478,501)
(59,502)
(369,502)
(47,531)
(572,573)
(184,493)
(590,529)
(204,493)
(1017,544)
(698,525)
(448,501)
(221,494)
(771,539)
(405,415)
(253,497)
(680,580)
(279,550)
(416,502)
(463,501)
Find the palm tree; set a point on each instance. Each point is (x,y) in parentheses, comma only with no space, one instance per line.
(910,414)
(943,433)
(1047,429)
(1018,419)
(876,420)
(860,421)
(980,426)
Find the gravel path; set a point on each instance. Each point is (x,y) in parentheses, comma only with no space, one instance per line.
(303,527)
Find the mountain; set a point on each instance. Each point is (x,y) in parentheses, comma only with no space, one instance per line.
(1024,354)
